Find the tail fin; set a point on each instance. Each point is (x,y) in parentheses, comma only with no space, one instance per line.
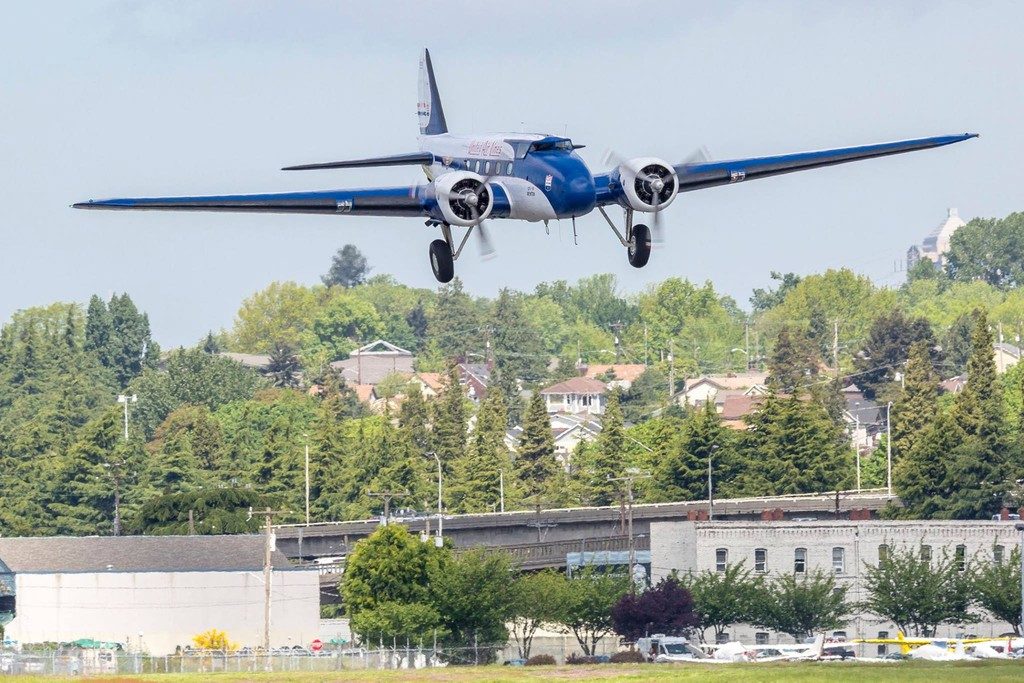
(904,646)
(428,109)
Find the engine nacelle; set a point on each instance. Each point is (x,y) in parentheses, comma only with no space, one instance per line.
(649,184)
(464,198)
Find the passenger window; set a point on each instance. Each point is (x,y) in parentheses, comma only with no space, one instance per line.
(508,170)
(477,169)
(487,168)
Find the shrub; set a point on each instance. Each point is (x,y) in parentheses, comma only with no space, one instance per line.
(627,657)
(541,660)
(577,658)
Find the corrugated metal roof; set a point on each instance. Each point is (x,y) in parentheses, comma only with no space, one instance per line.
(87,554)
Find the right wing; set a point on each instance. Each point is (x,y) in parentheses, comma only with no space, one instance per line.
(383,201)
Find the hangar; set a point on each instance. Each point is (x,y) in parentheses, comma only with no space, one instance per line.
(151,594)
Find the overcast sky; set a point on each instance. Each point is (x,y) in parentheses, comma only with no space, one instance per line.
(131,98)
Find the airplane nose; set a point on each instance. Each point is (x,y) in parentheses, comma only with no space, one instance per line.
(581,197)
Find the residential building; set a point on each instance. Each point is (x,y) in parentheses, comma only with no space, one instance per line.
(476,377)
(1007,355)
(568,432)
(576,396)
(256,361)
(620,375)
(372,363)
(844,548)
(152,594)
(864,419)
(719,387)
(936,244)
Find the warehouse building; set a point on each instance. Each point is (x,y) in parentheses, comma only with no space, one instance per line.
(152,594)
(841,547)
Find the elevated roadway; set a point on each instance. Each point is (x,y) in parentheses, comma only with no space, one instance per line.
(574,528)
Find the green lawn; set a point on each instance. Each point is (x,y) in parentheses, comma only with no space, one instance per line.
(932,672)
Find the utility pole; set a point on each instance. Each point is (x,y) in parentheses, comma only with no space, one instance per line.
(746,342)
(632,474)
(307,478)
(888,447)
(617,327)
(835,349)
(268,549)
(646,362)
(125,400)
(115,467)
(711,495)
(671,369)
(439,541)
(501,488)
(387,496)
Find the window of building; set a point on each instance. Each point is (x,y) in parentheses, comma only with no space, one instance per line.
(839,635)
(997,553)
(721,559)
(839,560)
(761,560)
(926,553)
(722,637)
(883,649)
(961,558)
(800,560)
(883,553)
(761,638)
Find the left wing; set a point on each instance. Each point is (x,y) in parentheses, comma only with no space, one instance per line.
(384,201)
(711,173)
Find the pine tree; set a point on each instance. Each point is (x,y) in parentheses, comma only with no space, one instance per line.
(682,475)
(414,420)
(454,324)
(518,347)
(99,331)
(914,409)
(606,458)
(920,475)
(535,455)
(131,346)
(449,435)
(976,473)
(793,363)
(477,484)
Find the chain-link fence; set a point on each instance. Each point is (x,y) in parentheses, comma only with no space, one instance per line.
(110,662)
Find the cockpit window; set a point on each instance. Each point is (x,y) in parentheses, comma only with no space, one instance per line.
(549,145)
(520,147)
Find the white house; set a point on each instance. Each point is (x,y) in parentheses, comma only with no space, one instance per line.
(936,244)
(152,594)
(720,387)
(1007,355)
(576,396)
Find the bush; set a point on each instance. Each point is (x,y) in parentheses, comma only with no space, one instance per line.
(577,658)
(627,657)
(541,660)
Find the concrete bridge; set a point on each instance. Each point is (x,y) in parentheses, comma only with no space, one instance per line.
(539,537)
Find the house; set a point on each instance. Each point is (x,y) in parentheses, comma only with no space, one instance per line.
(153,593)
(476,377)
(576,396)
(953,385)
(864,419)
(1007,355)
(623,374)
(256,361)
(701,389)
(430,383)
(936,244)
(568,432)
(375,361)
(736,410)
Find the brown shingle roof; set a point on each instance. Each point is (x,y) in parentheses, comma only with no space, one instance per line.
(628,372)
(577,385)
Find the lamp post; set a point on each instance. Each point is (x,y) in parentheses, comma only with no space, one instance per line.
(306,437)
(439,540)
(711,497)
(125,400)
(888,447)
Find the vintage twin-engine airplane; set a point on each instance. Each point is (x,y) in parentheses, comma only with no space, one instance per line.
(514,175)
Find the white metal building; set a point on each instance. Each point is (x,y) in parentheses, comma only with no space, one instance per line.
(153,593)
(842,547)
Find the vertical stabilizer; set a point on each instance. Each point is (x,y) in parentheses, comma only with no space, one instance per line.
(428,109)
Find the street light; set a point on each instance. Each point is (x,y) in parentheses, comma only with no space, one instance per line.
(888,447)
(439,540)
(125,400)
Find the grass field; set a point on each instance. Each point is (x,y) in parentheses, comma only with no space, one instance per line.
(932,672)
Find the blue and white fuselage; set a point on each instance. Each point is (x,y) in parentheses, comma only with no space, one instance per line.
(473,178)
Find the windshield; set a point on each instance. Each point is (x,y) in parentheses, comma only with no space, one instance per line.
(561,145)
(676,648)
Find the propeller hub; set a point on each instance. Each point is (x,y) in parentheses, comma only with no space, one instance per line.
(472,199)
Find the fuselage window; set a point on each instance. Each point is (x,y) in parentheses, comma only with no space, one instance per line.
(508,169)
(477,169)
(487,168)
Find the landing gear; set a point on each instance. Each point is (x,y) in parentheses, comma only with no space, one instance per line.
(441,261)
(639,250)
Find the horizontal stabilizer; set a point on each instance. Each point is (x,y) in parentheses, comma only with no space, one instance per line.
(413,159)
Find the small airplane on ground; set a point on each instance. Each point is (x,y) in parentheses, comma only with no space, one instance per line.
(518,176)
(950,649)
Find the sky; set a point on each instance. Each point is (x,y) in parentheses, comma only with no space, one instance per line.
(146,98)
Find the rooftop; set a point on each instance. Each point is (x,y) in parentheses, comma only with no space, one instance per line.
(627,372)
(91,554)
(577,385)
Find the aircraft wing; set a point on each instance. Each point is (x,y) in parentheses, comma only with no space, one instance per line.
(388,201)
(697,176)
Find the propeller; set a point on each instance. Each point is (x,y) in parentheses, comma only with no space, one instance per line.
(471,198)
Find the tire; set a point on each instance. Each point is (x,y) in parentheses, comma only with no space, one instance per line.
(441,261)
(639,251)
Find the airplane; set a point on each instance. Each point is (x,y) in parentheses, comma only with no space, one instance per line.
(908,646)
(517,176)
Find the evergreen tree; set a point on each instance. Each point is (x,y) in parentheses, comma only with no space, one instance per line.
(348,268)
(99,331)
(284,367)
(478,473)
(920,474)
(794,362)
(414,420)
(517,345)
(683,475)
(976,471)
(914,409)
(535,455)
(606,459)
(454,324)
(890,339)
(131,347)
(449,435)
(210,344)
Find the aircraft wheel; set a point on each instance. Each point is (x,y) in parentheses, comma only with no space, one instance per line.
(441,261)
(639,250)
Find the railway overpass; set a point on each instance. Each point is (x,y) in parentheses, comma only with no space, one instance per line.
(541,538)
